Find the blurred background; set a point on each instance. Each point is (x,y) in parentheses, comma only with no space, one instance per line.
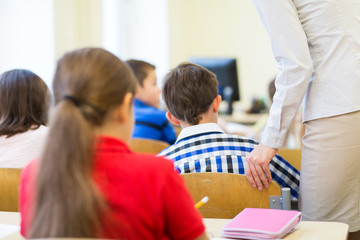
(34,34)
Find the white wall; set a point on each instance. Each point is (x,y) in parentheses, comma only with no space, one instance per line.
(78,23)
(138,29)
(33,34)
(27,36)
(226,28)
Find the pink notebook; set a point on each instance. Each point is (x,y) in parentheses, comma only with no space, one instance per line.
(260,223)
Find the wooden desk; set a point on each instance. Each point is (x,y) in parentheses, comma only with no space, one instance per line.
(305,230)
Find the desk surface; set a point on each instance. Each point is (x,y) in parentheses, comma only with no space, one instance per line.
(11,218)
(303,231)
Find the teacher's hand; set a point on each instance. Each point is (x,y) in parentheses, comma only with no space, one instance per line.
(257,166)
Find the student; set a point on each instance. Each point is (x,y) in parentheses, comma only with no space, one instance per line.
(88,183)
(191,95)
(25,101)
(150,122)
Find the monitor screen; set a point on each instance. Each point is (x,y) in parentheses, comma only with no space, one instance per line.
(226,73)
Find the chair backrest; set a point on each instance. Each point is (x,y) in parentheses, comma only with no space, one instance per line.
(228,193)
(9,189)
(292,156)
(144,145)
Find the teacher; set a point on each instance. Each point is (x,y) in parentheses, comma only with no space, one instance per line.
(316,44)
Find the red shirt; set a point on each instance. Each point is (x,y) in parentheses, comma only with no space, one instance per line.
(147,198)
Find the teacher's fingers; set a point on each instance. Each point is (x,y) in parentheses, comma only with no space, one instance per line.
(255,175)
(249,175)
(266,170)
(261,175)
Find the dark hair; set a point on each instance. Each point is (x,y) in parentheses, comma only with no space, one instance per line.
(25,101)
(140,69)
(188,91)
(88,84)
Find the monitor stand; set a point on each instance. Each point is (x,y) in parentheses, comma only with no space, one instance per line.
(228,97)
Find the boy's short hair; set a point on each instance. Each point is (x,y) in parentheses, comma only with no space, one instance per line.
(140,69)
(188,91)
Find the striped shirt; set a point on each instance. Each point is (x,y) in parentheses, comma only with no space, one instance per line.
(206,148)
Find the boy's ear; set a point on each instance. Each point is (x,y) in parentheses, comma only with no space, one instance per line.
(216,104)
(172,119)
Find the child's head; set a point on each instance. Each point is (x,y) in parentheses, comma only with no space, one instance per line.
(189,90)
(92,88)
(147,90)
(96,79)
(25,101)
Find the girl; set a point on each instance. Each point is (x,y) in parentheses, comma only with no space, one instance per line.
(88,183)
(25,100)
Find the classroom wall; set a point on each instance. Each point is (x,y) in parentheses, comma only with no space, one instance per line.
(138,29)
(27,36)
(34,34)
(227,28)
(164,32)
(78,23)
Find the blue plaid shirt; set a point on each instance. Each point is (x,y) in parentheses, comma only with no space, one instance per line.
(206,148)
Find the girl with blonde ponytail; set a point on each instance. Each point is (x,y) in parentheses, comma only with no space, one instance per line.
(87,182)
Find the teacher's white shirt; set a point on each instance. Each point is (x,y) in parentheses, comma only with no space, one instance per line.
(316,44)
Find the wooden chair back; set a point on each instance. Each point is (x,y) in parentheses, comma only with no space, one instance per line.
(143,145)
(292,156)
(228,193)
(9,189)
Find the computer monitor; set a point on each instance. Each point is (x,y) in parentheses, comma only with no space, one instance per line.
(225,70)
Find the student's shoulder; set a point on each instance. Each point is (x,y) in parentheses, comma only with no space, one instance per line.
(152,161)
(158,112)
(38,132)
(206,138)
(30,170)
(176,147)
(157,167)
(154,115)
(239,138)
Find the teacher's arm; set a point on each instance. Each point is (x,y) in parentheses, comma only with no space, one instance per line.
(291,51)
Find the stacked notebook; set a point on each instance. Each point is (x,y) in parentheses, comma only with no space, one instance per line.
(259,223)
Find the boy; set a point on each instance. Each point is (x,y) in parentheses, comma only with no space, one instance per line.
(191,96)
(150,122)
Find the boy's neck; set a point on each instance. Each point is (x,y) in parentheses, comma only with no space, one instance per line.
(208,117)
